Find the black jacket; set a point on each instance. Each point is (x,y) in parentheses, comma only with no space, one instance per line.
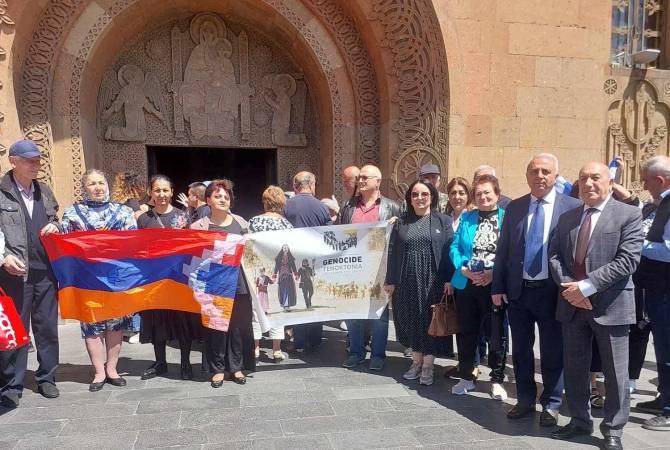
(441,234)
(387,209)
(12,220)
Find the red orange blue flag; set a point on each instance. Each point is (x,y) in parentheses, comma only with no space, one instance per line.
(109,274)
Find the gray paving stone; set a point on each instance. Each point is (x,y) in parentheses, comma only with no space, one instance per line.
(361,406)
(17,431)
(112,441)
(43,413)
(129,423)
(169,438)
(30,400)
(373,439)
(163,393)
(334,424)
(442,434)
(320,442)
(285,398)
(302,410)
(283,372)
(243,431)
(187,404)
(418,417)
(498,444)
(360,392)
(252,386)
(8,445)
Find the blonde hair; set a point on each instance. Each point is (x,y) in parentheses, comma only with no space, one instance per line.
(274,199)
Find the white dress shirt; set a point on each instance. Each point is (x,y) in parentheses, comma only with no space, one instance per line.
(659,251)
(27,197)
(586,286)
(548,206)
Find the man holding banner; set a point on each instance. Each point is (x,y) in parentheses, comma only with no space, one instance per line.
(28,212)
(368,207)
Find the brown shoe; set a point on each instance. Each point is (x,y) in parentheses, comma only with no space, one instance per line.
(519,411)
(548,418)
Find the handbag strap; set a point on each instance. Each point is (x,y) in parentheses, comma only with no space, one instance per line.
(2,291)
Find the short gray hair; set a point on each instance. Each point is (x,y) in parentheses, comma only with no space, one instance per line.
(304,180)
(549,156)
(657,166)
(90,172)
(483,168)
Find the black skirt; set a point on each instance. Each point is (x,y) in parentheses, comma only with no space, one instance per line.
(162,325)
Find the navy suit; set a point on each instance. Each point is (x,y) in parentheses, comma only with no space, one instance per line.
(531,303)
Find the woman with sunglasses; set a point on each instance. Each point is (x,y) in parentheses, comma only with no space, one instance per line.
(418,247)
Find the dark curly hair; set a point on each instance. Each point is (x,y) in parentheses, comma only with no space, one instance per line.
(223,183)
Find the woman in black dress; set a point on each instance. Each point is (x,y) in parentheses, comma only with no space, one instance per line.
(285,274)
(418,248)
(159,326)
(231,351)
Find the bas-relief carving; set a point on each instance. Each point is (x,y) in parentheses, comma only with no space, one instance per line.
(227,88)
(5,20)
(279,90)
(139,92)
(637,128)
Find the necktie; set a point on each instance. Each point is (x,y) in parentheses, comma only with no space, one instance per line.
(532,263)
(583,237)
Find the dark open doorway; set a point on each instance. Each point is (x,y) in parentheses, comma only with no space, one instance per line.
(252,170)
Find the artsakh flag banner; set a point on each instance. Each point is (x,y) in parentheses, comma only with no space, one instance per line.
(109,274)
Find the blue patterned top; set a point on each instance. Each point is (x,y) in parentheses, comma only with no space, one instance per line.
(96,216)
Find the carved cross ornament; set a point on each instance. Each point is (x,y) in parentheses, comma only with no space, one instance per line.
(637,130)
(211,91)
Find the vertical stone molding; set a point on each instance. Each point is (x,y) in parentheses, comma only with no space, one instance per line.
(5,21)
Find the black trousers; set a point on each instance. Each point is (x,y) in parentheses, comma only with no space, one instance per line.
(307,293)
(233,350)
(35,300)
(475,316)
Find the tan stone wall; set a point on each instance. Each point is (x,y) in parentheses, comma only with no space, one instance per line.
(525,76)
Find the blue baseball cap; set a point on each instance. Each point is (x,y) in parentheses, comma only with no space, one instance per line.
(25,149)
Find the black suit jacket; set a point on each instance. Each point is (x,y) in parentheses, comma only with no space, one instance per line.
(441,234)
(508,268)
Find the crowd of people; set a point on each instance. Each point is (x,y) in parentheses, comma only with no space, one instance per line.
(588,266)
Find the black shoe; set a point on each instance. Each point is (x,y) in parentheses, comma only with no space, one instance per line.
(519,411)
(31,347)
(612,443)
(118,382)
(570,430)
(186,371)
(154,370)
(241,380)
(654,406)
(96,386)
(9,401)
(548,418)
(48,390)
(216,383)
(658,423)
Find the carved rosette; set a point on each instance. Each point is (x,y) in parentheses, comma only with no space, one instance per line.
(413,36)
(637,128)
(5,20)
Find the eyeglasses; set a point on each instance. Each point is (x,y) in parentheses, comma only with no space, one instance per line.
(420,194)
(366,178)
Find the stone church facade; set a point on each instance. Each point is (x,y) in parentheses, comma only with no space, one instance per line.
(323,84)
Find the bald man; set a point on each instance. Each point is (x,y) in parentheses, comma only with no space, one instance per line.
(593,253)
(350,180)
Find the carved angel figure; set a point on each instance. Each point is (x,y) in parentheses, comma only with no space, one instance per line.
(283,87)
(139,92)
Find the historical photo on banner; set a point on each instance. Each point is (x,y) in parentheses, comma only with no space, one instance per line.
(317,274)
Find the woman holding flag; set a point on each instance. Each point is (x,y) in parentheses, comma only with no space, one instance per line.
(96,213)
(231,351)
(161,326)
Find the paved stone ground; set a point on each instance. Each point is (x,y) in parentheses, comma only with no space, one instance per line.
(309,403)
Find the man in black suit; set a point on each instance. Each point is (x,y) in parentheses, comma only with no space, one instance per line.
(521,277)
(593,253)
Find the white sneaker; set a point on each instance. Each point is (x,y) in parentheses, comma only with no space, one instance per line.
(413,373)
(134,339)
(498,392)
(463,387)
(632,386)
(426,376)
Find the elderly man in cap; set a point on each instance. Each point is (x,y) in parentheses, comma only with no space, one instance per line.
(430,173)
(28,210)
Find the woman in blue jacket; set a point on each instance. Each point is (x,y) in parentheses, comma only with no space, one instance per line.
(473,253)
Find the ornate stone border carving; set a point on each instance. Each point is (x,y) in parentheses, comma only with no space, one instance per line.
(362,73)
(412,34)
(5,20)
(35,103)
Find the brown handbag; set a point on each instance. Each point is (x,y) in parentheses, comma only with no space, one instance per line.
(445,320)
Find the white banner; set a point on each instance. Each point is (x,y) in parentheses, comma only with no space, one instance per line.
(317,274)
